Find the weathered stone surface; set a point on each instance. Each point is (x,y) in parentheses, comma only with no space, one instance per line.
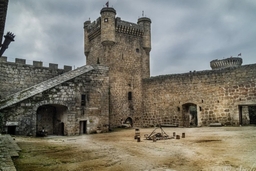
(217,94)
(57,102)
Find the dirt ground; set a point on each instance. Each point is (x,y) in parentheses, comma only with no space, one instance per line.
(206,148)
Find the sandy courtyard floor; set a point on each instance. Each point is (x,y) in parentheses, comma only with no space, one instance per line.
(206,148)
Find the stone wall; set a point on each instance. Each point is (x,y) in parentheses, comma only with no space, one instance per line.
(217,96)
(62,105)
(16,76)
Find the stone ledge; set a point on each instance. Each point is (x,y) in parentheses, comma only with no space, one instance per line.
(8,149)
(215,125)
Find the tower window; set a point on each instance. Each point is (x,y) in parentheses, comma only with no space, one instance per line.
(137,50)
(129,95)
(83,100)
(105,19)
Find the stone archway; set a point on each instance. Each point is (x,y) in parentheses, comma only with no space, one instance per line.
(129,121)
(51,118)
(189,115)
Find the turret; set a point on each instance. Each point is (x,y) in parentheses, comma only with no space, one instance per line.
(226,63)
(86,39)
(146,23)
(108,26)
(146,44)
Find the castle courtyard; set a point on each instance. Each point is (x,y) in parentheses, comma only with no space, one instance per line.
(203,148)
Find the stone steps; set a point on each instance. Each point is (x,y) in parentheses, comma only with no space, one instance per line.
(38,88)
(8,149)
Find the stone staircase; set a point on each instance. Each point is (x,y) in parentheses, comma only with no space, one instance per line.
(8,150)
(45,85)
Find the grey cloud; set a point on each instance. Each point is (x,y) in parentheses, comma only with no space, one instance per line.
(186,35)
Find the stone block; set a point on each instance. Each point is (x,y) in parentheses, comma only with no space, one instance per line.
(20,61)
(215,124)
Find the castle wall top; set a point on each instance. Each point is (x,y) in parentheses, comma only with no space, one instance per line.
(18,61)
(223,73)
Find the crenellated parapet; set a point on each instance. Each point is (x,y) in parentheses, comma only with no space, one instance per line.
(225,63)
(128,28)
(93,29)
(19,61)
(103,25)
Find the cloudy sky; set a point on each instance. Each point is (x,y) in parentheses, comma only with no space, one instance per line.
(186,34)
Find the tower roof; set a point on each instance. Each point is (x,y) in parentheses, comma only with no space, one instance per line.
(225,63)
(108,9)
(143,19)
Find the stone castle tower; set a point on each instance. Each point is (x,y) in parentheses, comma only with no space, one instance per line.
(124,47)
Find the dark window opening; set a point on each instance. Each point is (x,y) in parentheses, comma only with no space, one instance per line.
(11,130)
(98,61)
(83,100)
(178,108)
(137,50)
(105,19)
(129,95)
(200,108)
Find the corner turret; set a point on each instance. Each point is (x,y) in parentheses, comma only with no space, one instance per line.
(86,39)
(108,26)
(226,63)
(146,24)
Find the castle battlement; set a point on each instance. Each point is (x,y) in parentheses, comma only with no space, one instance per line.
(125,27)
(204,75)
(225,63)
(94,28)
(19,61)
(128,27)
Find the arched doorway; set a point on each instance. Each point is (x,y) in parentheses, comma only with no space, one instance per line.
(189,115)
(128,121)
(51,119)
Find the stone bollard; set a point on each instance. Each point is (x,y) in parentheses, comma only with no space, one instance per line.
(183,135)
(154,139)
(138,138)
(137,133)
(177,137)
(174,134)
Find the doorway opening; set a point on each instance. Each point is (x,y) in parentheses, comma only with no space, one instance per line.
(50,118)
(83,127)
(247,114)
(252,114)
(11,130)
(129,121)
(189,115)
(62,132)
